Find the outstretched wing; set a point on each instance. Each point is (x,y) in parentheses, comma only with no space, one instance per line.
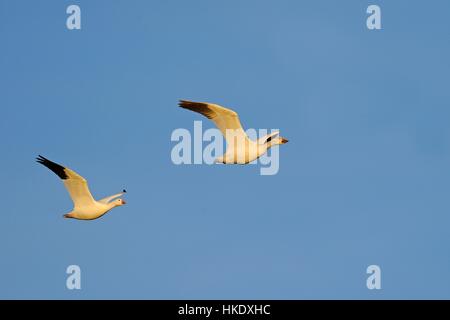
(110,198)
(75,184)
(225,119)
(268,137)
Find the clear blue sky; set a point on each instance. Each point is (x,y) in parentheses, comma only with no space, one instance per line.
(365,178)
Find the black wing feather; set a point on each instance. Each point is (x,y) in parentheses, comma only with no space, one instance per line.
(56,168)
(200,107)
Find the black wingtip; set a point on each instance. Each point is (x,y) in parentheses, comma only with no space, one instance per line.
(183,103)
(56,168)
(124,191)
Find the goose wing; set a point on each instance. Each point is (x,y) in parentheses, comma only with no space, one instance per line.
(75,184)
(110,198)
(224,119)
(268,137)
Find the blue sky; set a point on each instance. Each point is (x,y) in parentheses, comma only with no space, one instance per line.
(364,179)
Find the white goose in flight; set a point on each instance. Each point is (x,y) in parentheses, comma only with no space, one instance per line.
(240,148)
(85,207)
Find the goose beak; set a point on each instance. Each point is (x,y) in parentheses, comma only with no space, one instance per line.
(283,140)
(124,202)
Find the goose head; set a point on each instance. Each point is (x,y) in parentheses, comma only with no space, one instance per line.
(119,202)
(280,140)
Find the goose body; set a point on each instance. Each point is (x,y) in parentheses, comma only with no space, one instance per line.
(240,148)
(85,206)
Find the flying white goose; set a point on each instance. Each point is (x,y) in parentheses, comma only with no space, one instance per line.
(240,149)
(85,207)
